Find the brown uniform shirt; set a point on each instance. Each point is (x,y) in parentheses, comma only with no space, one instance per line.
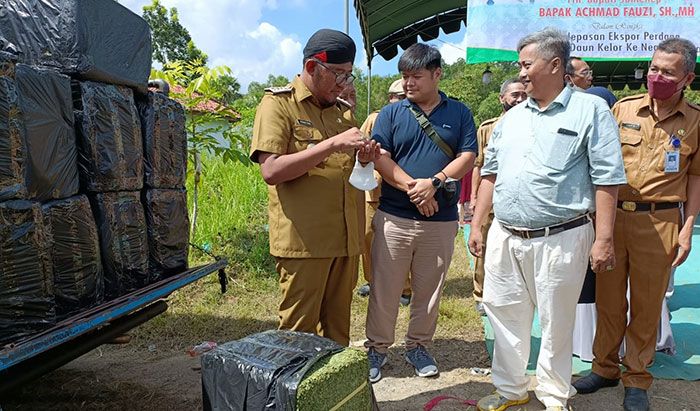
(319,214)
(645,140)
(372,196)
(483,134)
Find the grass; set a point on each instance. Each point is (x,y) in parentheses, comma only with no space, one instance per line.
(233,221)
(233,216)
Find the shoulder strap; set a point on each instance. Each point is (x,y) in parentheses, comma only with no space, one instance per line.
(428,128)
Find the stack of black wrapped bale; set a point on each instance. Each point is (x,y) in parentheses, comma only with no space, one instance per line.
(109,138)
(26,273)
(168,232)
(37,163)
(98,40)
(165,199)
(77,267)
(111,171)
(122,229)
(37,141)
(53,255)
(165,141)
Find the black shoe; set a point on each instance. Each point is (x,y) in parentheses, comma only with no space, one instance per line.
(363,291)
(592,383)
(636,399)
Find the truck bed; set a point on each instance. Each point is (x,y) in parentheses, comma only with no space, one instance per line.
(30,357)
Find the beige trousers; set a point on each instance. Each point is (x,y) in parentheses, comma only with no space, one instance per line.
(370,210)
(401,245)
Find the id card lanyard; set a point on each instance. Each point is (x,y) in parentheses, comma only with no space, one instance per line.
(672,162)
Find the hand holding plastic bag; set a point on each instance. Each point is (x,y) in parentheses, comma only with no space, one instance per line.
(362,178)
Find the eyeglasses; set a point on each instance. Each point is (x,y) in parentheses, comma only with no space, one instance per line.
(340,79)
(586,73)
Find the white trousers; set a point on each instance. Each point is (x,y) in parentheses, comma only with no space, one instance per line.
(522,274)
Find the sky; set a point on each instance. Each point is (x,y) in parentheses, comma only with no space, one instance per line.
(256,38)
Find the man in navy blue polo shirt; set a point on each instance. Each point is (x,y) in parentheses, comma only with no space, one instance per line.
(416,224)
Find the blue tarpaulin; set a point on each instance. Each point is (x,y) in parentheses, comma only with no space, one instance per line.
(685,323)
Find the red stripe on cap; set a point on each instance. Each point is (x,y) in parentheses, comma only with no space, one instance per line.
(322,56)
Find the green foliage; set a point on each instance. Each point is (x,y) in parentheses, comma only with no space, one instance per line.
(200,85)
(208,121)
(233,216)
(693,96)
(171,41)
(256,91)
(626,92)
(463,82)
(379,97)
(459,81)
(228,88)
(490,107)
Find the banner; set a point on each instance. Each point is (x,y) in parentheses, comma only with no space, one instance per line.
(598,29)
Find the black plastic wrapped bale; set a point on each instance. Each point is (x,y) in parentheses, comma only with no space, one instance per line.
(121,226)
(164,141)
(282,370)
(168,232)
(38,154)
(26,280)
(12,141)
(98,40)
(75,253)
(109,138)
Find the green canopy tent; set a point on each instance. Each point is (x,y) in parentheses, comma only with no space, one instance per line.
(389,24)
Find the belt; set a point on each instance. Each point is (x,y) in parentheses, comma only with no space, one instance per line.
(634,206)
(551,230)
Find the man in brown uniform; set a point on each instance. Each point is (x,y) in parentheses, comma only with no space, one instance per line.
(305,142)
(512,93)
(659,135)
(396,93)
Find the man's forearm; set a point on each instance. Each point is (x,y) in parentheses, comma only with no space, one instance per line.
(458,167)
(605,205)
(476,180)
(398,178)
(392,173)
(692,204)
(484,200)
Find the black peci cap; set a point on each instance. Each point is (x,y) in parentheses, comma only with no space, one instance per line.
(330,46)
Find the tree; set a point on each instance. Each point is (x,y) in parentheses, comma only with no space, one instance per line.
(460,81)
(256,91)
(205,128)
(171,41)
(379,97)
(229,88)
(463,82)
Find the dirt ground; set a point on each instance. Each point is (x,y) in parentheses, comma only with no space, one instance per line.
(123,378)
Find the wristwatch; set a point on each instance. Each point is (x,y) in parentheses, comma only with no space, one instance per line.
(437,183)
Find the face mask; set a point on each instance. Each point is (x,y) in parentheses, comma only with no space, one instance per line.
(507,106)
(362,178)
(660,88)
